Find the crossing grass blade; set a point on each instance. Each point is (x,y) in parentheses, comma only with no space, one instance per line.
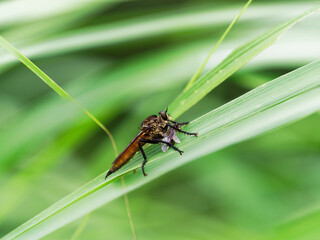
(197,73)
(237,59)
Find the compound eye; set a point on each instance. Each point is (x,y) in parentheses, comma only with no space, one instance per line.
(163,114)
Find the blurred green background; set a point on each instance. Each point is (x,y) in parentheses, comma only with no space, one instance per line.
(124,61)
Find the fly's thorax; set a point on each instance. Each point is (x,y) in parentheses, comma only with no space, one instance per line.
(153,122)
(155,126)
(160,131)
(148,122)
(161,127)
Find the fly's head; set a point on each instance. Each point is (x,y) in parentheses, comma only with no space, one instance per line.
(163,119)
(164,116)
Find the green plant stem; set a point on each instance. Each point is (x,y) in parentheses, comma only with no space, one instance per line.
(196,75)
(9,47)
(126,201)
(81,227)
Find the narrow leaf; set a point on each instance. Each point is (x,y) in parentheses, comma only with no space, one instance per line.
(23,59)
(237,59)
(283,100)
(196,75)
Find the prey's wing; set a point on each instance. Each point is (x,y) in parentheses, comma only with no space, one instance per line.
(172,136)
(175,138)
(164,146)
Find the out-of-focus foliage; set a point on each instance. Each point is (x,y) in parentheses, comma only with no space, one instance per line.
(125,61)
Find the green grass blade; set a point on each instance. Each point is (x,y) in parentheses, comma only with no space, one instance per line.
(81,227)
(304,226)
(283,100)
(52,84)
(196,75)
(237,59)
(10,11)
(152,26)
(6,45)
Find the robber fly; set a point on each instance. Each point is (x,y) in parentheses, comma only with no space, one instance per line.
(154,129)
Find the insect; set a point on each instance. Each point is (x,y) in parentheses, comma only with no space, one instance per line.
(154,129)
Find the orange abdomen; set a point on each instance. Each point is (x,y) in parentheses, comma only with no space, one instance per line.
(127,153)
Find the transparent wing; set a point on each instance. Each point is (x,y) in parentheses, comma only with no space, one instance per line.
(164,146)
(175,138)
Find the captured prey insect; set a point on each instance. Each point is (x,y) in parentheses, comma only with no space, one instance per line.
(154,129)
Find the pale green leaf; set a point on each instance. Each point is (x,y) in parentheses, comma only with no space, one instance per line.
(152,26)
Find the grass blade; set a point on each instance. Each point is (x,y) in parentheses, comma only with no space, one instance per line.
(237,59)
(123,31)
(196,75)
(304,226)
(52,84)
(269,106)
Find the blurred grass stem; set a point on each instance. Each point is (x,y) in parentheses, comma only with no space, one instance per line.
(196,75)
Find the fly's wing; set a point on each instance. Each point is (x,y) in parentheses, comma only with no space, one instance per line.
(130,144)
(164,146)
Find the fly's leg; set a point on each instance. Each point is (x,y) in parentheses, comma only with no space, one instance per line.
(154,141)
(144,156)
(180,124)
(179,130)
